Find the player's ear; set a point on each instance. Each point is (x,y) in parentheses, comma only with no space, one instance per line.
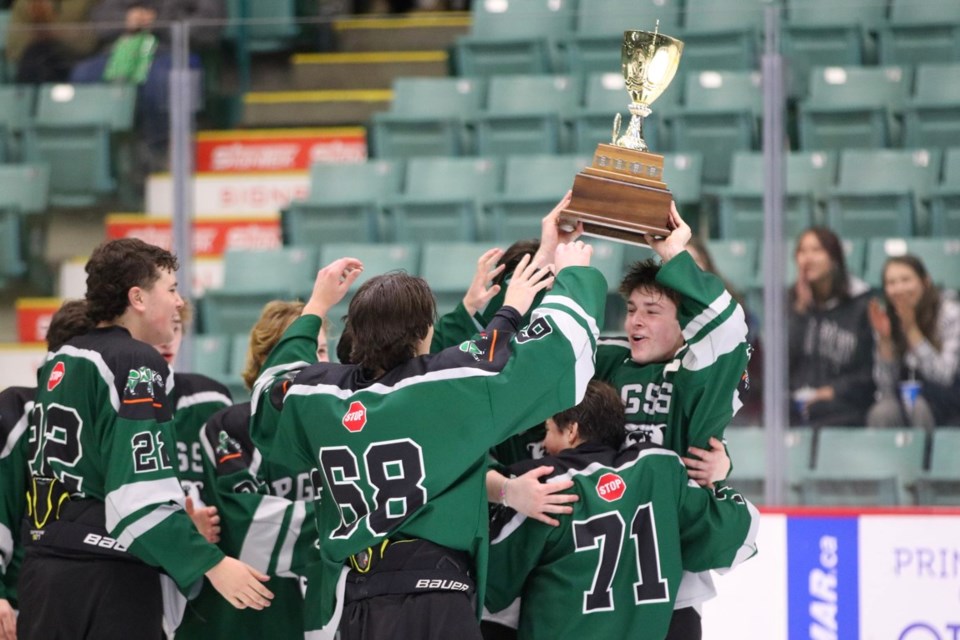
(572,434)
(135,298)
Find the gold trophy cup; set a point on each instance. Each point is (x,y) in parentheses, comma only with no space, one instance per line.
(622,195)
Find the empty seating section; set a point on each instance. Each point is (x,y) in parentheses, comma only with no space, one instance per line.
(945,198)
(918,32)
(932,116)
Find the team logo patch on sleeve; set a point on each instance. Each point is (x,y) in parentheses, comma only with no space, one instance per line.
(141,383)
(355,419)
(59,370)
(227,448)
(536,330)
(610,487)
(471,348)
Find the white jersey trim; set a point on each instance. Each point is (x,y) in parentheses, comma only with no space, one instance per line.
(130,498)
(730,335)
(146,523)
(263,533)
(6,547)
(382,389)
(18,430)
(94,357)
(268,377)
(573,306)
(203,397)
(285,558)
(580,343)
(708,315)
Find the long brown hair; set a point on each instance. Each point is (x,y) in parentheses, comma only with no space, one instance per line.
(928,307)
(839,276)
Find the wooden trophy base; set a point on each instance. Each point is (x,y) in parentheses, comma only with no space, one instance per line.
(620,196)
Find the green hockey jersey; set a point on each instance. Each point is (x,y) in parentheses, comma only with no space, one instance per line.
(102,426)
(404,455)
(613,567)
(194,398)
(16,404)
(262,508)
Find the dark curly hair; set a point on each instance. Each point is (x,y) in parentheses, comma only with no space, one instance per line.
(69,321)
(116,267)
(388,316)
(643,275)
(600,416)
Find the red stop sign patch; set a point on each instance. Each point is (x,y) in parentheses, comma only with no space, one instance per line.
(610,487)
(355,419)
(56,376)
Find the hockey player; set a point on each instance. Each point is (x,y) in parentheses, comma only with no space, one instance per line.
(613,567)
(15,405)
(105,514)
(678,372)
(400,442)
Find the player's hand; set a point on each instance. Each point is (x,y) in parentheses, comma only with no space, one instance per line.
(205,519)
(676,242)
(708,465)
(572,254)
(534,499)
(552,234)
(528,279)
(8,621)
(481,291)
(331,285)
(240,584)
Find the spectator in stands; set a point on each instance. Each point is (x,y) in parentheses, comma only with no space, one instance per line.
(831,341)
(918,346)
(116,22)
(46,37)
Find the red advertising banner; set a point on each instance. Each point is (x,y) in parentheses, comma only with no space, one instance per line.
(211,236)
(257,150)
(33,317)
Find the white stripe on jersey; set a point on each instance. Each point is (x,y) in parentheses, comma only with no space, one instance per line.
(147,522)
(130,498)
(709,314)
(285,557)
(580,342)
(98,362)
(264,530)
(593,467)
(382,389)
(572,305)
(729,336)
(268,377)
(207,449)
(14,436)
(201,397)
(6,547)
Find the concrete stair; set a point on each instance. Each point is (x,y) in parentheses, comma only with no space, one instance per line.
(414,32)
(364,70)
(313,108)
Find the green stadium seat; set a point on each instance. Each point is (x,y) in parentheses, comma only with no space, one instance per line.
(12,264)
(598,35)
(442,199)
(344,204)
(526,114)
(940,483)
(941,256)
(519,36)
(427,118)
(261,26)
(16,110)
(879,192)
(449,267)
(748,453)
(919,32)
(5,71)
(809,174)
(853,107)
(860,466)
(821,33)
(76,132)
(932,117)
(737,260)
(25,187)
(533,185)
(377,259)
(722,34)
(239,345)
(251,280)
(211,356)
(721,115)
(605,96)
(945,198)
(683,173)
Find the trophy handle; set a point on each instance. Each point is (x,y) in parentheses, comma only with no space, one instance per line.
(616,129)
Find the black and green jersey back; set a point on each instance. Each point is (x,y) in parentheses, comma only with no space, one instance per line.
(403,455)
(193,398)
(15,405)
(262,510)
(612,568)
(102,426)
